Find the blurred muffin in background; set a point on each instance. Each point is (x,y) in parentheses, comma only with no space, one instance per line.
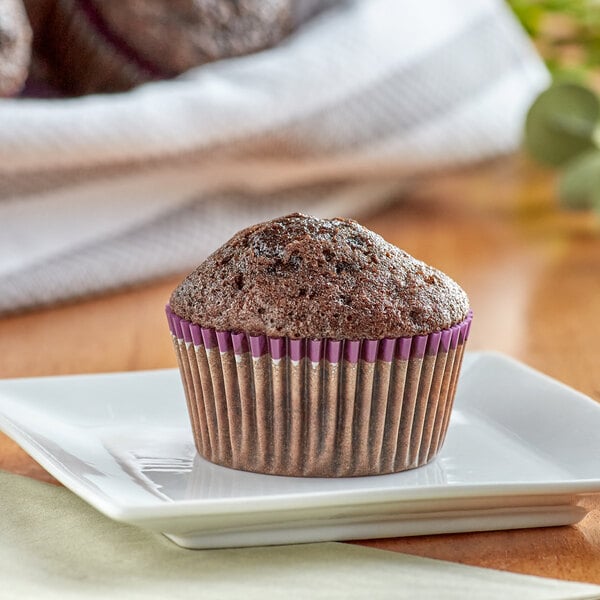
(113,45)
(15,47)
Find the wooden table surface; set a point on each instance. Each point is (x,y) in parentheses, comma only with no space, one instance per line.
(532,273)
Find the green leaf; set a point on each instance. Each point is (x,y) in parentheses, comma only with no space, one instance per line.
(596,202)
(579,185)
(561,122)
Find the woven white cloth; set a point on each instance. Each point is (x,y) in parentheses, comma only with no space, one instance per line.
(108,190)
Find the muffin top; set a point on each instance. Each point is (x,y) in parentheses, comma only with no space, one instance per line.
(303,277)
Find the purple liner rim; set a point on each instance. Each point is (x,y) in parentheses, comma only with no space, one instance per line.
(297,349)
(224,341)
(196,334)
(209,338)
(386,349)
(351,351)
(277,347)
(169,314)
(185,328)
(240,343)
(318,349)
(315,350)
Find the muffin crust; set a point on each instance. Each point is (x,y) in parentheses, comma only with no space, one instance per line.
(303,277)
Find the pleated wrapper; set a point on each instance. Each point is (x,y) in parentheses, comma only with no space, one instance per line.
(318,407)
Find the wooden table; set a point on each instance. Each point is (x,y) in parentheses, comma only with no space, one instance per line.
(533,276)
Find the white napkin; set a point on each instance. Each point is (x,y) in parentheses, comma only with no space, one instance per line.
(108,190)
(54,546)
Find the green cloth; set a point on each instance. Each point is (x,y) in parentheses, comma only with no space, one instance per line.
(53,545)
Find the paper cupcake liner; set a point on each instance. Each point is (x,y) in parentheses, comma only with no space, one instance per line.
(318,408)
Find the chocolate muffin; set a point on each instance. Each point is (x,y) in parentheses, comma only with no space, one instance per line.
(313,347)
(15,47)
(113,45)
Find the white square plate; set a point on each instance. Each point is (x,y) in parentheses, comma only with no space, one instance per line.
(522,451)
